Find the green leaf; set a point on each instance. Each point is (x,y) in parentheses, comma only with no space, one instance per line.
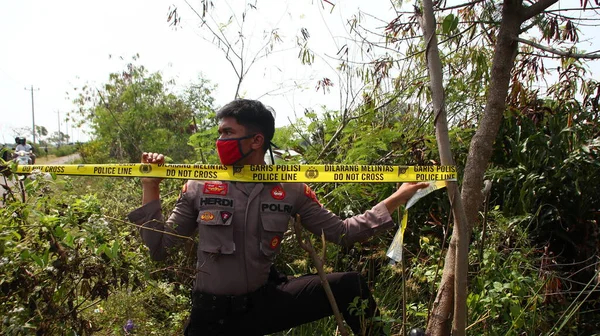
(454,24)
(37,260)
(102,248)
(497,286)
(68,240)
(46,257)
(115,249)
(448,23)
(25,255)
(59,232)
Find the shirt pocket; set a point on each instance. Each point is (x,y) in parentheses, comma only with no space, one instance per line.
(215,231)
(274,226)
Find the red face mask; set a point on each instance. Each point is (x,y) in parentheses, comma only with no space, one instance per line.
(230,150)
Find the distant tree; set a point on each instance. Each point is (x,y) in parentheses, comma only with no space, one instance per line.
(197,96)
(58,138)
(40,131)
(137,111)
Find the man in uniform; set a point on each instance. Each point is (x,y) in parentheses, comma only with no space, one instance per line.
(240,227)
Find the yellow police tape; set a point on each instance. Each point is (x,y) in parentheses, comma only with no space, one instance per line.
(256,173)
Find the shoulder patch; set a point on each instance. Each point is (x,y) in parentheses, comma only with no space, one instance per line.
(215,188)
(311,194)
(183,191)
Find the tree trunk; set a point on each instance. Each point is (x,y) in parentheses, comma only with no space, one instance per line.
(459,237)
(480,152)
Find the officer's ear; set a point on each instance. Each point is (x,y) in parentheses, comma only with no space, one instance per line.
(258,141)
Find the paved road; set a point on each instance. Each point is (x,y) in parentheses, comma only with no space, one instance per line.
(59,160)
(64,159)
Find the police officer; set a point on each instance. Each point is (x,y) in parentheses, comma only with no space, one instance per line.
(240,227)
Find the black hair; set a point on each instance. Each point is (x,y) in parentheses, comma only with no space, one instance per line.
(253,115)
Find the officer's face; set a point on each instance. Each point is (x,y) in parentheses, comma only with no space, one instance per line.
(229,128)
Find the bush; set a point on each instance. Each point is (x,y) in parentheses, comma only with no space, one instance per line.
(64,251)
(63,150)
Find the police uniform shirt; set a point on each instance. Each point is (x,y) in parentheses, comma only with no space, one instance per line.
(240,227)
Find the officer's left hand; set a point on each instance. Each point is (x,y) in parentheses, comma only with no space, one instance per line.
(403,194)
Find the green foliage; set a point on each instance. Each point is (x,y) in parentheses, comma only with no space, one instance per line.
(449,24)
(158,308)
(506,295)
(59,256)
(509,292)
(64,251)
(547,163)
(198,97)
(62,150)
(94,151)
(58,138)
(40,132)
(136,111)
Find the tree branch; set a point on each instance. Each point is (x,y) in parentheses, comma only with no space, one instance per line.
(459,6)
(572,9)
(306,245)
(536,9)
(558,52)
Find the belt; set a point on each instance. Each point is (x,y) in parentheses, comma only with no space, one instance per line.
(223,304)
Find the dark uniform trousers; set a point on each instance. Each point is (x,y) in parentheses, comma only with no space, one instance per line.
(279,305)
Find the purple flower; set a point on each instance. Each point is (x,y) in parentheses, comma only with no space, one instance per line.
(129,326)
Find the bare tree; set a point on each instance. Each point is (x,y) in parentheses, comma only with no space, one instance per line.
(231,37)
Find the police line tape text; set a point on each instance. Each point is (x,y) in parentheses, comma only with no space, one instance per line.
(258,173)
(188,173)
(113,171)
(45,169)
(274,177)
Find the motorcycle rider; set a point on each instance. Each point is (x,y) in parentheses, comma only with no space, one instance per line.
(22,145)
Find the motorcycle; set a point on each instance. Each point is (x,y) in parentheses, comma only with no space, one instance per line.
(23,158)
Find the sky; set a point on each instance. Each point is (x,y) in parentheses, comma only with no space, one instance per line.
(55,46)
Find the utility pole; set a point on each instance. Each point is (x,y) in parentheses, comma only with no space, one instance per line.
(32,113)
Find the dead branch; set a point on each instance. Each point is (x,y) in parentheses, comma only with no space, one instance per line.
(467,4)
(558,52)
(306,245)
(572,9)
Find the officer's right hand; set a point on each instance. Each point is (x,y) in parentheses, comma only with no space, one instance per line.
(155,158)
